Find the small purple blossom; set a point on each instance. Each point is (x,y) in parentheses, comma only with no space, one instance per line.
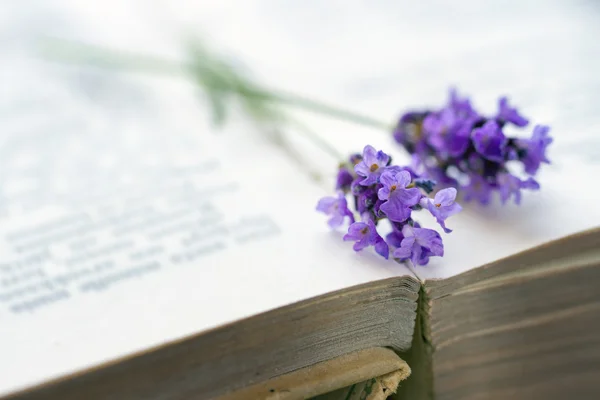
(478,189)
(365,234)
(458,147)
(419,244)
(462,106)
(398,199)
(510,114)
(336,208)
(344,178)
(409,130)
(489,141)
(447,132)
(392,193)
(442,206)
(394,238)
(534,149)
(366,200)
(372,165)
(438,124)
(510,185)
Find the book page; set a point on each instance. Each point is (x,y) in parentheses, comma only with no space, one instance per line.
(127,220)
(383,58)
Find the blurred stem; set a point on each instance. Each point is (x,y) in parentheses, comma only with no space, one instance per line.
(80,53)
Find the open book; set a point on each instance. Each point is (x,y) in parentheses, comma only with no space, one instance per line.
(145,255)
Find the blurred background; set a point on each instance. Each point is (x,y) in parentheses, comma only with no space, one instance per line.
(377,57)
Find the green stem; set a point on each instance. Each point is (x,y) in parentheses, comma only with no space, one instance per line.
(331,111)
(121,60)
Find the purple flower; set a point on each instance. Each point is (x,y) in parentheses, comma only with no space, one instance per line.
(365,234)
(419,244)
(394,238)
(372,165)
(344,179)
(366,200)
(447,132)
(336,208)
(475,163)
(478,189)
(399,198)
(455,146)
(489,141)
(356,188)
(442,206)
(535,149)
(409,129)
(510,185)
(510,114)
(461,106)
(439,123)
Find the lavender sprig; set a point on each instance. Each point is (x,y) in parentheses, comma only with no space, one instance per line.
(381,191)
(459,147)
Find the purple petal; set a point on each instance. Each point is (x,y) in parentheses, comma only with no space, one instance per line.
(535,149)
(358,231)
(394,238)
(461,106)
(442,213)
(430,239)
(478,189)
(326,203)
(388,178)
(395,211)
(336,220)
(362,169)
(451,210)
(350,215)
(424,258)
(369,155)
(406,248)
(489,141)
(369,180)
(510,114)
(445,197)
(403,179)
(383,193)
(382,248)
(409,231)
(361,244)
(416,254)
(530,183)
(344,179)
(407,197)
(458,143)
(355,231)
(382,158)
